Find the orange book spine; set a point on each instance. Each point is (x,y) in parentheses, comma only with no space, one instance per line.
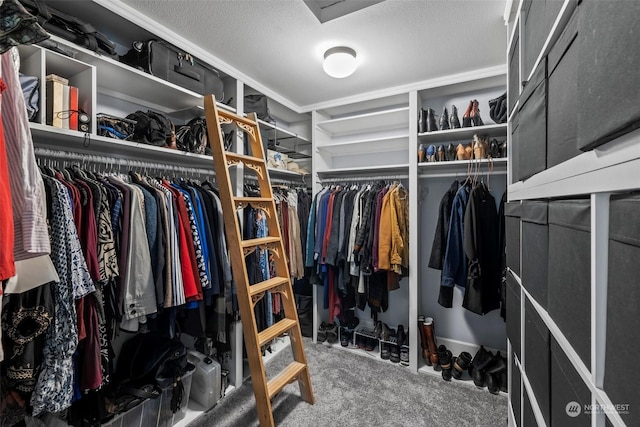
(73,107)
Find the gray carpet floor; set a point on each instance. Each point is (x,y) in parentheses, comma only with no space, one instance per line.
(355,390)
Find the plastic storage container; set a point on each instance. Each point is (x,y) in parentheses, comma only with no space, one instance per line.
(205,384)
(166,417)
(143,415)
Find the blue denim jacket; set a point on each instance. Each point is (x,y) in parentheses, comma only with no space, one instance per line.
(454,269)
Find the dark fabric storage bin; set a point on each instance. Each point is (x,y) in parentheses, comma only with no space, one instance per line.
(570,272)
(515,148)
(539,18)
(528,417)
(513,314)
(608,89)
(562,116)
(515,390)
(623,305)
(533,124)
(513,88)
(537,364)
(535,249)
(566,386)
(512,212)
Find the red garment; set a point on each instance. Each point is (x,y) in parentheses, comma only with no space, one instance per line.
(7,264)
(88,231)
(90,357)
(327,230)
(188,264)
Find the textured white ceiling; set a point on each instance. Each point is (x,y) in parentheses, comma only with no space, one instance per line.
(280,44)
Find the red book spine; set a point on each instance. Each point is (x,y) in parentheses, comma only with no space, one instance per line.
(73,107)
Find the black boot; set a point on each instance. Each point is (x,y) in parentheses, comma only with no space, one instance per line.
(444,119)
(461,364)
(432,124)
(454,121)
(477,368)
(422,120)
(445,362)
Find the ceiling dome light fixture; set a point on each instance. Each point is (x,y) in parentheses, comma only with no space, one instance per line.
(340,62)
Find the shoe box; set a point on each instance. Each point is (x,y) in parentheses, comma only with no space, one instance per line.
(537,360)
(532,132)
(512,213)
(515,390)
(584,92)
(535,249)
(608,64)
(567,387)
(513,314)
(562,117)
(569,290)
(539,16)
(623,305)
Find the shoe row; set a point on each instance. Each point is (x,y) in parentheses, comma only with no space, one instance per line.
(328,333)
(394,345)
(428,121)
(485,368)
(479,148)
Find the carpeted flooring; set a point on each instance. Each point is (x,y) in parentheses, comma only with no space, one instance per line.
(355,390)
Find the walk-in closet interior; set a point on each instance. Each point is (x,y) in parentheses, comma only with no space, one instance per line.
(195,195)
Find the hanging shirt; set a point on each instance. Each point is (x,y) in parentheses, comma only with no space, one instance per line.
(29,219)
(7,266)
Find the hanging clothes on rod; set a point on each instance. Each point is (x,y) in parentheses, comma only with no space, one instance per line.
(466,245)
(357,240)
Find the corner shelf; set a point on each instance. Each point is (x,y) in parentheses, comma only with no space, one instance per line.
(379,120)
(495,130)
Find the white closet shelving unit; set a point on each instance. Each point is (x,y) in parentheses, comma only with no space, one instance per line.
(378,138)
(108,86)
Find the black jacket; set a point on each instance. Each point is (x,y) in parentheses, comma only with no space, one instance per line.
(439,246)
(481,236)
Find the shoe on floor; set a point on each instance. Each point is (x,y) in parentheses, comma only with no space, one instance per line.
(404,355)
(345,337)
(322,332)
(332,334)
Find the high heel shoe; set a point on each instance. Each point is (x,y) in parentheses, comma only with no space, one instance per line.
(440,154)
(466,118)
(431,153)
(454,121)
(480,148)
(444,119)
(451,152)
(476,120)
(422,153)
(494,149)
(462,152)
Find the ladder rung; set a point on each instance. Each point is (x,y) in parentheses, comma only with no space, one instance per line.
(261,241)
(267,285)
(250,160)
(291,372)
(241,201)
(275,331)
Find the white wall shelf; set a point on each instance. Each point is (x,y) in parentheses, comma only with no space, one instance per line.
(379,120)
(372,145)
(284,131)
(492,131)
(460,167)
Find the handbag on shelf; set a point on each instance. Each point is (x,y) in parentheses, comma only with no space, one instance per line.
(153,128)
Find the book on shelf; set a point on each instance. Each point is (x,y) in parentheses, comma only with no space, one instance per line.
(65,107)
(54,94)
(73,108)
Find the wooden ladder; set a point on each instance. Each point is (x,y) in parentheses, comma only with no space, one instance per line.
(249,295)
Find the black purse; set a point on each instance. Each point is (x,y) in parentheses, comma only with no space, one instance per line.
(151,360)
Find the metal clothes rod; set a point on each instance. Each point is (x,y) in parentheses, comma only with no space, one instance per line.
(118,162)
(458,174)
(363,178)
